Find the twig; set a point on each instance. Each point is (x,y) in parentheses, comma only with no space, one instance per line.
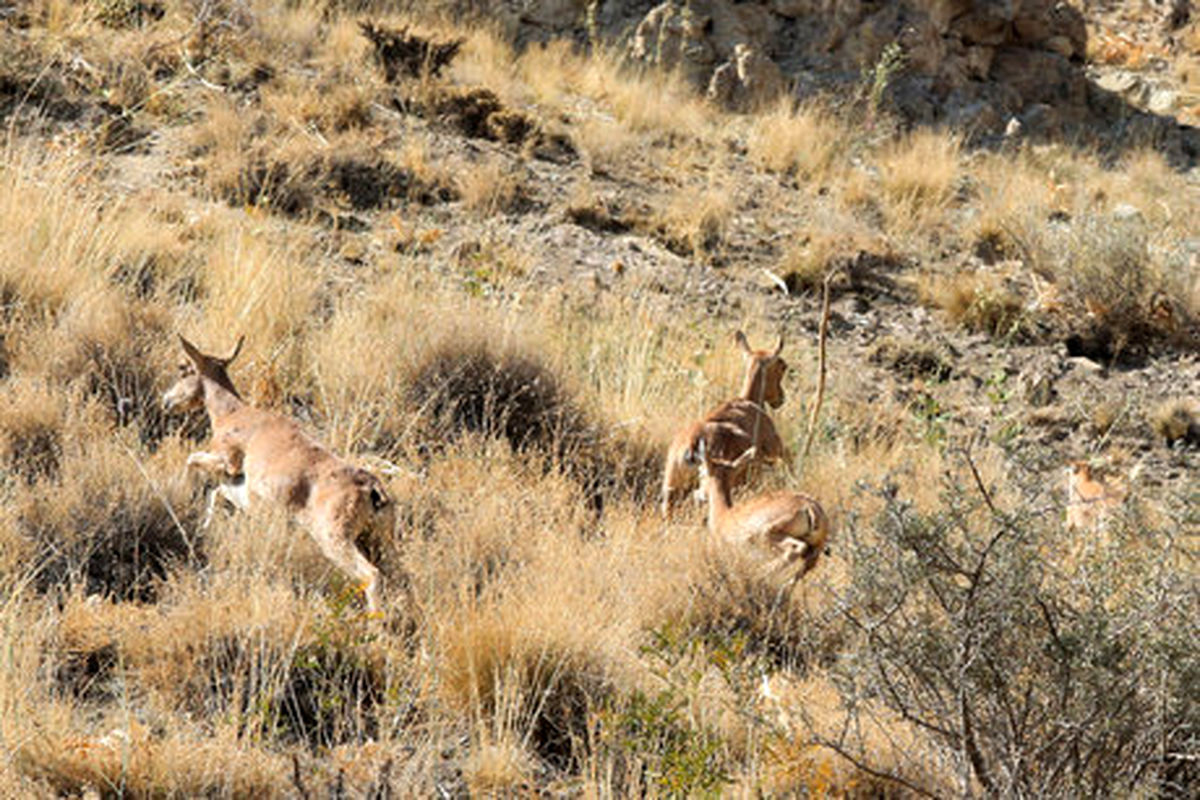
(987,498)
(778,281)
(298,779)
(875,773)
(816,409)
(163,499)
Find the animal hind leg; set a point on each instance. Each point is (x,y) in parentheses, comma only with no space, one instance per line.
(336,544)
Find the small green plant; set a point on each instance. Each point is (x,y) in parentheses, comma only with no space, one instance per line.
(931,416)
(680,760)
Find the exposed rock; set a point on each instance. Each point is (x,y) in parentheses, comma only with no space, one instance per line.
(977,63)
(557,14)
(1162,100)
(748,81)
(698,35)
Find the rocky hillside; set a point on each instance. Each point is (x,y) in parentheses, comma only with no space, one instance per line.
(496,252)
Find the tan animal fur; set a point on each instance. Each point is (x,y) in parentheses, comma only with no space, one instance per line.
(745,423)
(263,456)
(792,525)
(1090,499)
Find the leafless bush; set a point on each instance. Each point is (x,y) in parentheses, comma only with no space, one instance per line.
(1040,666)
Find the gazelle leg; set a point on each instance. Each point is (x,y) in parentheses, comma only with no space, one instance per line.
(233,492)
(338,547)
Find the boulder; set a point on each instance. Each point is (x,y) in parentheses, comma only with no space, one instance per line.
(696,36)
(749,80)
(553,14)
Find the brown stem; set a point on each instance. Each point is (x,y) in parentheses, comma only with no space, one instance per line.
(816,409)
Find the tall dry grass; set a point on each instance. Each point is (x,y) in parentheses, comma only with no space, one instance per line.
(544,629)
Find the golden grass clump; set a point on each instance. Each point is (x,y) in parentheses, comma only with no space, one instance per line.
(976,301)
(1176,420)
(492,187)
(918,176)
(806,140)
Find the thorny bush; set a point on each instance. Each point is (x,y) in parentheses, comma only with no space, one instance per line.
(1040,663)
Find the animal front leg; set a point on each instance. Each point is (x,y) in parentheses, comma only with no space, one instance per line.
(215,463)
(233,492)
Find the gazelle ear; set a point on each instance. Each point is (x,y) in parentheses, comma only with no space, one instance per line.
(740,339)
(747,455)
(236,349)
(694,455)
(779,347)
(193,354)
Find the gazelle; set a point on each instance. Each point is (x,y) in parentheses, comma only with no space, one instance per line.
(1089,499)
(743,423)
(791,524)
(263,456)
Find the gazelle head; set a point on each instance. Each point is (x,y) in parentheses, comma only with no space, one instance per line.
(764,372)
(188,392)
(701,457)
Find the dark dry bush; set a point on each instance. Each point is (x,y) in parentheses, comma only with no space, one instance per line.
(599,216)
(86,674)
(467,387)
(117,542)
(363,183)
(127,382)
(130,13)
(911,360)
(402,54)
(34,452)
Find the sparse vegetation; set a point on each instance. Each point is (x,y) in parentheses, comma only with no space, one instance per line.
(499,277)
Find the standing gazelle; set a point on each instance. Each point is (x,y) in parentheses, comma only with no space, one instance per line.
(742,423)
(791,524)
(264,456)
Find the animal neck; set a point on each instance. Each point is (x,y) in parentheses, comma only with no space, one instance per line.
(754,386)
(220,398)
(719,502)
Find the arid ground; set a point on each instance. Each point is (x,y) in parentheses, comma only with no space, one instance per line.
(497,259)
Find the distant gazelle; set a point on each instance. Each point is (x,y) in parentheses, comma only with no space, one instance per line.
(791,525)
(263,456)
(1089,499)
(744,424)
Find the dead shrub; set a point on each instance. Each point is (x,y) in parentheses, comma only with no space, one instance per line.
(106,530)
(601,216)
(294,187)
(911,359)
(1176,421)
(404,54)
(478,113)
(470,387)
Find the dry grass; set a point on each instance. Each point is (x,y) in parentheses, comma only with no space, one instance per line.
(917,178)
(806,140)
(544,630)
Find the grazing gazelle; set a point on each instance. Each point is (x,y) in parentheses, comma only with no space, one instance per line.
(790,524)
(262,456)
(744,424)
